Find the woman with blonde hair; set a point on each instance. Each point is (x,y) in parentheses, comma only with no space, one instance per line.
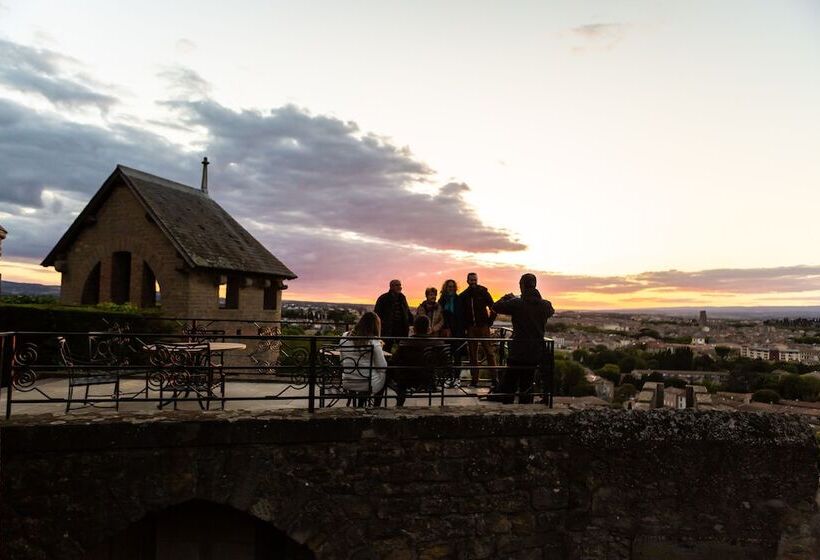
(362,359)
(432,310)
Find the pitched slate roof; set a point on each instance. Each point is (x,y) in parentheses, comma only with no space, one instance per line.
(203,233)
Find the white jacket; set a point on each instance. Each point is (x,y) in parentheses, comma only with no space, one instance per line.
(359,373)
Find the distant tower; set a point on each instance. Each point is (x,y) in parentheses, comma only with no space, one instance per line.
(702,321)
(205,164)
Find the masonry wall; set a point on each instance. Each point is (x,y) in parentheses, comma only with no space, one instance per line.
(121,225)
(204,302)
(436,483)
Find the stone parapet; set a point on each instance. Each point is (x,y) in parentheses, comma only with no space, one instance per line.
(522,482)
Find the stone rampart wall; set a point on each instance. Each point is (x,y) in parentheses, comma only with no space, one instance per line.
(437,483)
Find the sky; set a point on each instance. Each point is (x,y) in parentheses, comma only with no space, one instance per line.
(630,153)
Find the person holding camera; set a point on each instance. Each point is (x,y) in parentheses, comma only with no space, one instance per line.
(529,314)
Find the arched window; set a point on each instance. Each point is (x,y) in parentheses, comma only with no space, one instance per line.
(200,530)
(121,277)
(150,288)
(91,287)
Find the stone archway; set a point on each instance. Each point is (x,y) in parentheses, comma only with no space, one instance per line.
(91,287)
(200,530)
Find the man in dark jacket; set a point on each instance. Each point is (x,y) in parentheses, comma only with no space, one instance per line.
(395,314)
(477,309)
(529,318)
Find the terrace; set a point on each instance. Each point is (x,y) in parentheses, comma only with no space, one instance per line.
(205,365)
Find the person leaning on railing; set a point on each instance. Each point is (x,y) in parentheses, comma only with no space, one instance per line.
(367,371)
(529,315)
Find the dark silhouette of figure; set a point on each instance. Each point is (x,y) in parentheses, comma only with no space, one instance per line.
(529,314)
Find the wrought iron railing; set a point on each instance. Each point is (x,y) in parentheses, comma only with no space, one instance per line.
(211,369)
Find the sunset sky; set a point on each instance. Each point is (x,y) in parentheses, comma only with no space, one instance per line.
(630,153)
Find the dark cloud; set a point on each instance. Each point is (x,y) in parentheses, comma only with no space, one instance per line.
(39,151)
(284,166)
(42,72)
(293,168)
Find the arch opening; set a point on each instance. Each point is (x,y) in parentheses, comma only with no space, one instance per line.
(91,287)
(151,291)
(200,530)
(121,277)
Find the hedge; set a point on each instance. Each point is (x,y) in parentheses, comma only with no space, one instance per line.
(62,318)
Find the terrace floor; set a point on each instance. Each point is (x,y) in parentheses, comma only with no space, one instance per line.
(256,391)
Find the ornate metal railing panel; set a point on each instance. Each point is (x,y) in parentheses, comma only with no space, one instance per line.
(211,368)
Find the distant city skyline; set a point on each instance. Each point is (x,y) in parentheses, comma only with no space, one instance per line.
(633,154)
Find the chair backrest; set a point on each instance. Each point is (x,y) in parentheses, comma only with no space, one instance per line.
(181,356)
(65,351)
(204,335)
(110,348)
(439,360)
(356,361)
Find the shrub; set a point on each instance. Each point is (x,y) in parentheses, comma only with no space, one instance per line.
(766,396)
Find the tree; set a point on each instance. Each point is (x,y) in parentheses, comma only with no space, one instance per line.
(723,352)
(809,388)
(766,396)
(676,382)
(568,375)
(610,372)
(624,392)
(703,362)
(789,386)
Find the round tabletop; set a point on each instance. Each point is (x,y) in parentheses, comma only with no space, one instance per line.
(226,346)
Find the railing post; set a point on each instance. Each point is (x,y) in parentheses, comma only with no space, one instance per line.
(312,376)
(7,358)
(549,372)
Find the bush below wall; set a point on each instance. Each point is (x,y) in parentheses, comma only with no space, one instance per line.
(63,318)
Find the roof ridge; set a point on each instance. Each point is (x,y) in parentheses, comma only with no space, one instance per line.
(144,175)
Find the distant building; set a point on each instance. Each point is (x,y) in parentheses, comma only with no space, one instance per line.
(149,241)
(702,320)
(755,352)
(674,398)
(699,339)
(687,375)
(780,354)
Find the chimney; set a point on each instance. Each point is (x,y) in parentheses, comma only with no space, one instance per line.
(205,164)
(690,397)
(659,393)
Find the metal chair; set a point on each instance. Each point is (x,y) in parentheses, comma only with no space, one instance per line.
(183,369)
(356,364)
(86,374)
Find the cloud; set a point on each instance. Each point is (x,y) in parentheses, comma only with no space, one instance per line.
(597,36)
(44,72)
(728,281)
(185,46)
(185,82)
(295,168)
(284,166)
(40,150)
